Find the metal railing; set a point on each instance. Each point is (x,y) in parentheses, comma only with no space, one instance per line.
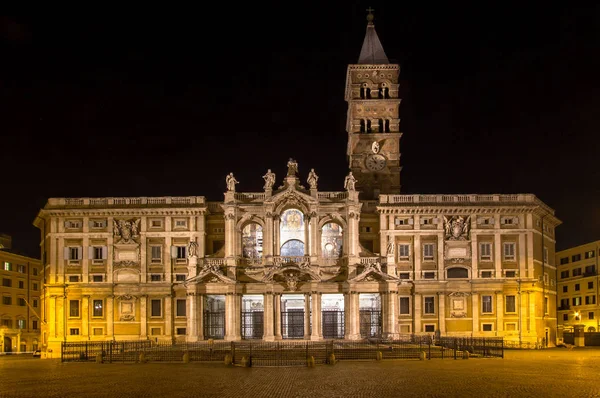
(282,353)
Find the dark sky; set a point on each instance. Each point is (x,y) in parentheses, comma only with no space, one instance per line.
(496,99)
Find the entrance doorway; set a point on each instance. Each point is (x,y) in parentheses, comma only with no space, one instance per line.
(214,317)
(292,316)
(370,315)
(252,317)
(332,309)
(7,344)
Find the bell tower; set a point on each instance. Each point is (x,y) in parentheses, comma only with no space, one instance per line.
(373,122)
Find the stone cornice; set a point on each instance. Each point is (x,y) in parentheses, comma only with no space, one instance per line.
(122,212)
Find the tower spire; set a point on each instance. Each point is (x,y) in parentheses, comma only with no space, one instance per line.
(372,50)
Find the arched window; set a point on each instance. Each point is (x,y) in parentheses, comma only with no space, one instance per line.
(457,272)
(369,126)
(252,241)
(387,125)
(380,123)
(291,233)
(331,240)
(368,93)
(363,126)
(362,93)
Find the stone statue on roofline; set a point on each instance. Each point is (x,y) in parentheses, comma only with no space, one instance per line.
(269,179)
(312,179)
(231,181)
(292,166)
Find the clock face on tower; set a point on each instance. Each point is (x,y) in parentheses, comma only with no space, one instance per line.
(375,162)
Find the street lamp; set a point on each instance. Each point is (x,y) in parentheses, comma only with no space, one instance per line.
(576,315)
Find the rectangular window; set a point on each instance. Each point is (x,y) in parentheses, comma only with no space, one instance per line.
(156,307)
(21,284)
(155,278)
(156,254)
(429,275)
(180,223)
(95,224)
(97,278)
(74,308)
(403,252)
(511,304)
(7,300)
(590,270)
(181,331)
(564,260)
(565,317)
(180,277)
(74,254)
(98,308)
(576,300)
(73,278)
(589,254)
(485,251)
(546,305)
(545,254)
(6,282)
(430,328)
(429,305)
(7,266)
(155,331)
(590,299)
(404,275)
(577,287)
(21,301)
(98,253)
(486,327)
(404,305)
(98,331)
(590,285)
(35,272)
(180,255)
(511,274)
(486,274)
(35,286)
(156,224)
(34,324)
(74,331)
(509,251)
(590,315)
(565,289)
(564,274)
(577,272)
(35,303)
(576,257)
(181,307)
(21,269)
(428,251)
(486,304)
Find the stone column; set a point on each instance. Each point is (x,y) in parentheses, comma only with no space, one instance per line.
(418,302)
(392,314)
(143,316)
(85,315)
(268,317)
(230,241)
(110,316)
(200,317)
(192,318)
(498,254)
(531,302)
(474,257)
(275,241)
(354,316)
(52,327)
(416,255)
(268,238)
(86,256)
(522,258)
(168,316)
(442,313)
(439,258)
(277,317)
(317,333)
(229,317)
(499,313)
(475,309)
(307,305)
(19,341)
(237,311)
(315,233)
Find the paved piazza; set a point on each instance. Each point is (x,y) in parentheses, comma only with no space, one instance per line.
(550,373)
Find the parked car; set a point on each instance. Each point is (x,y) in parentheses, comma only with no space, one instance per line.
(37,354)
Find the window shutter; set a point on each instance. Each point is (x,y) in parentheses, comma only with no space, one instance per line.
(90,252)
(79,252)
(67,224)
(173,251)
(492,220)
(411,221)
(90,224)
(66,253)
(436,220)
(104,252)
(421,220)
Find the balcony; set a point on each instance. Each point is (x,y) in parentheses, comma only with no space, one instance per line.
(279,261)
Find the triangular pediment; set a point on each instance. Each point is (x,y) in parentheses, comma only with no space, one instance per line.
(291,194)
(301,272)
(210,276)
(371,274)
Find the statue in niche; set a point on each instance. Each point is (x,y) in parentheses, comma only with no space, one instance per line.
(269,179)
(312,179)
(193,249)
(350,182)
(292,166)
(231,181)
(456,227)
(291,281)
(126,231)
(390,246)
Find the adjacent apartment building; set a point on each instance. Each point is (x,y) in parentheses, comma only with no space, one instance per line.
(20,322)
(578,280)
(297,262)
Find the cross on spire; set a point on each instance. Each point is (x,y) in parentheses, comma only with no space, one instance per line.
(370,16)
(370,10)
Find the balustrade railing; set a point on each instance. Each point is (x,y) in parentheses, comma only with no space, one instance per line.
(127,201)
(283,260)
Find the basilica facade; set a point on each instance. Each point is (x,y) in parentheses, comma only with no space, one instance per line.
(295,262)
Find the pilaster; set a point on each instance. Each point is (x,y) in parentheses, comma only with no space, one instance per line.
(475,310)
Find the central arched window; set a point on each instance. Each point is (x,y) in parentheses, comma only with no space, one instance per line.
(291,233)
(331,240)
(252,241)
(457,272)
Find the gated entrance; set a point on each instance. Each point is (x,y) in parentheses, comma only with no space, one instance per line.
(370,315)
(292,324)
(333,316)
(214,317)
(252,317)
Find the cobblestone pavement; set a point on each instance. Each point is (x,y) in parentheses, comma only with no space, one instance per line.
(549,373)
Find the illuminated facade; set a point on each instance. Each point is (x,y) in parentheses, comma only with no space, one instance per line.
(20,307)
(294,262)
(578,287)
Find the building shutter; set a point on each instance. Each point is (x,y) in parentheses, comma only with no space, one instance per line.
(90,252)
(79,252)
(104,252)
(173,251)
(66,253)
(411,221)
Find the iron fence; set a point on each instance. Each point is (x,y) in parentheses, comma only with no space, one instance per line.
(283,353)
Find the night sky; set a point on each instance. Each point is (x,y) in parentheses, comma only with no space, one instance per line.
(495,100)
